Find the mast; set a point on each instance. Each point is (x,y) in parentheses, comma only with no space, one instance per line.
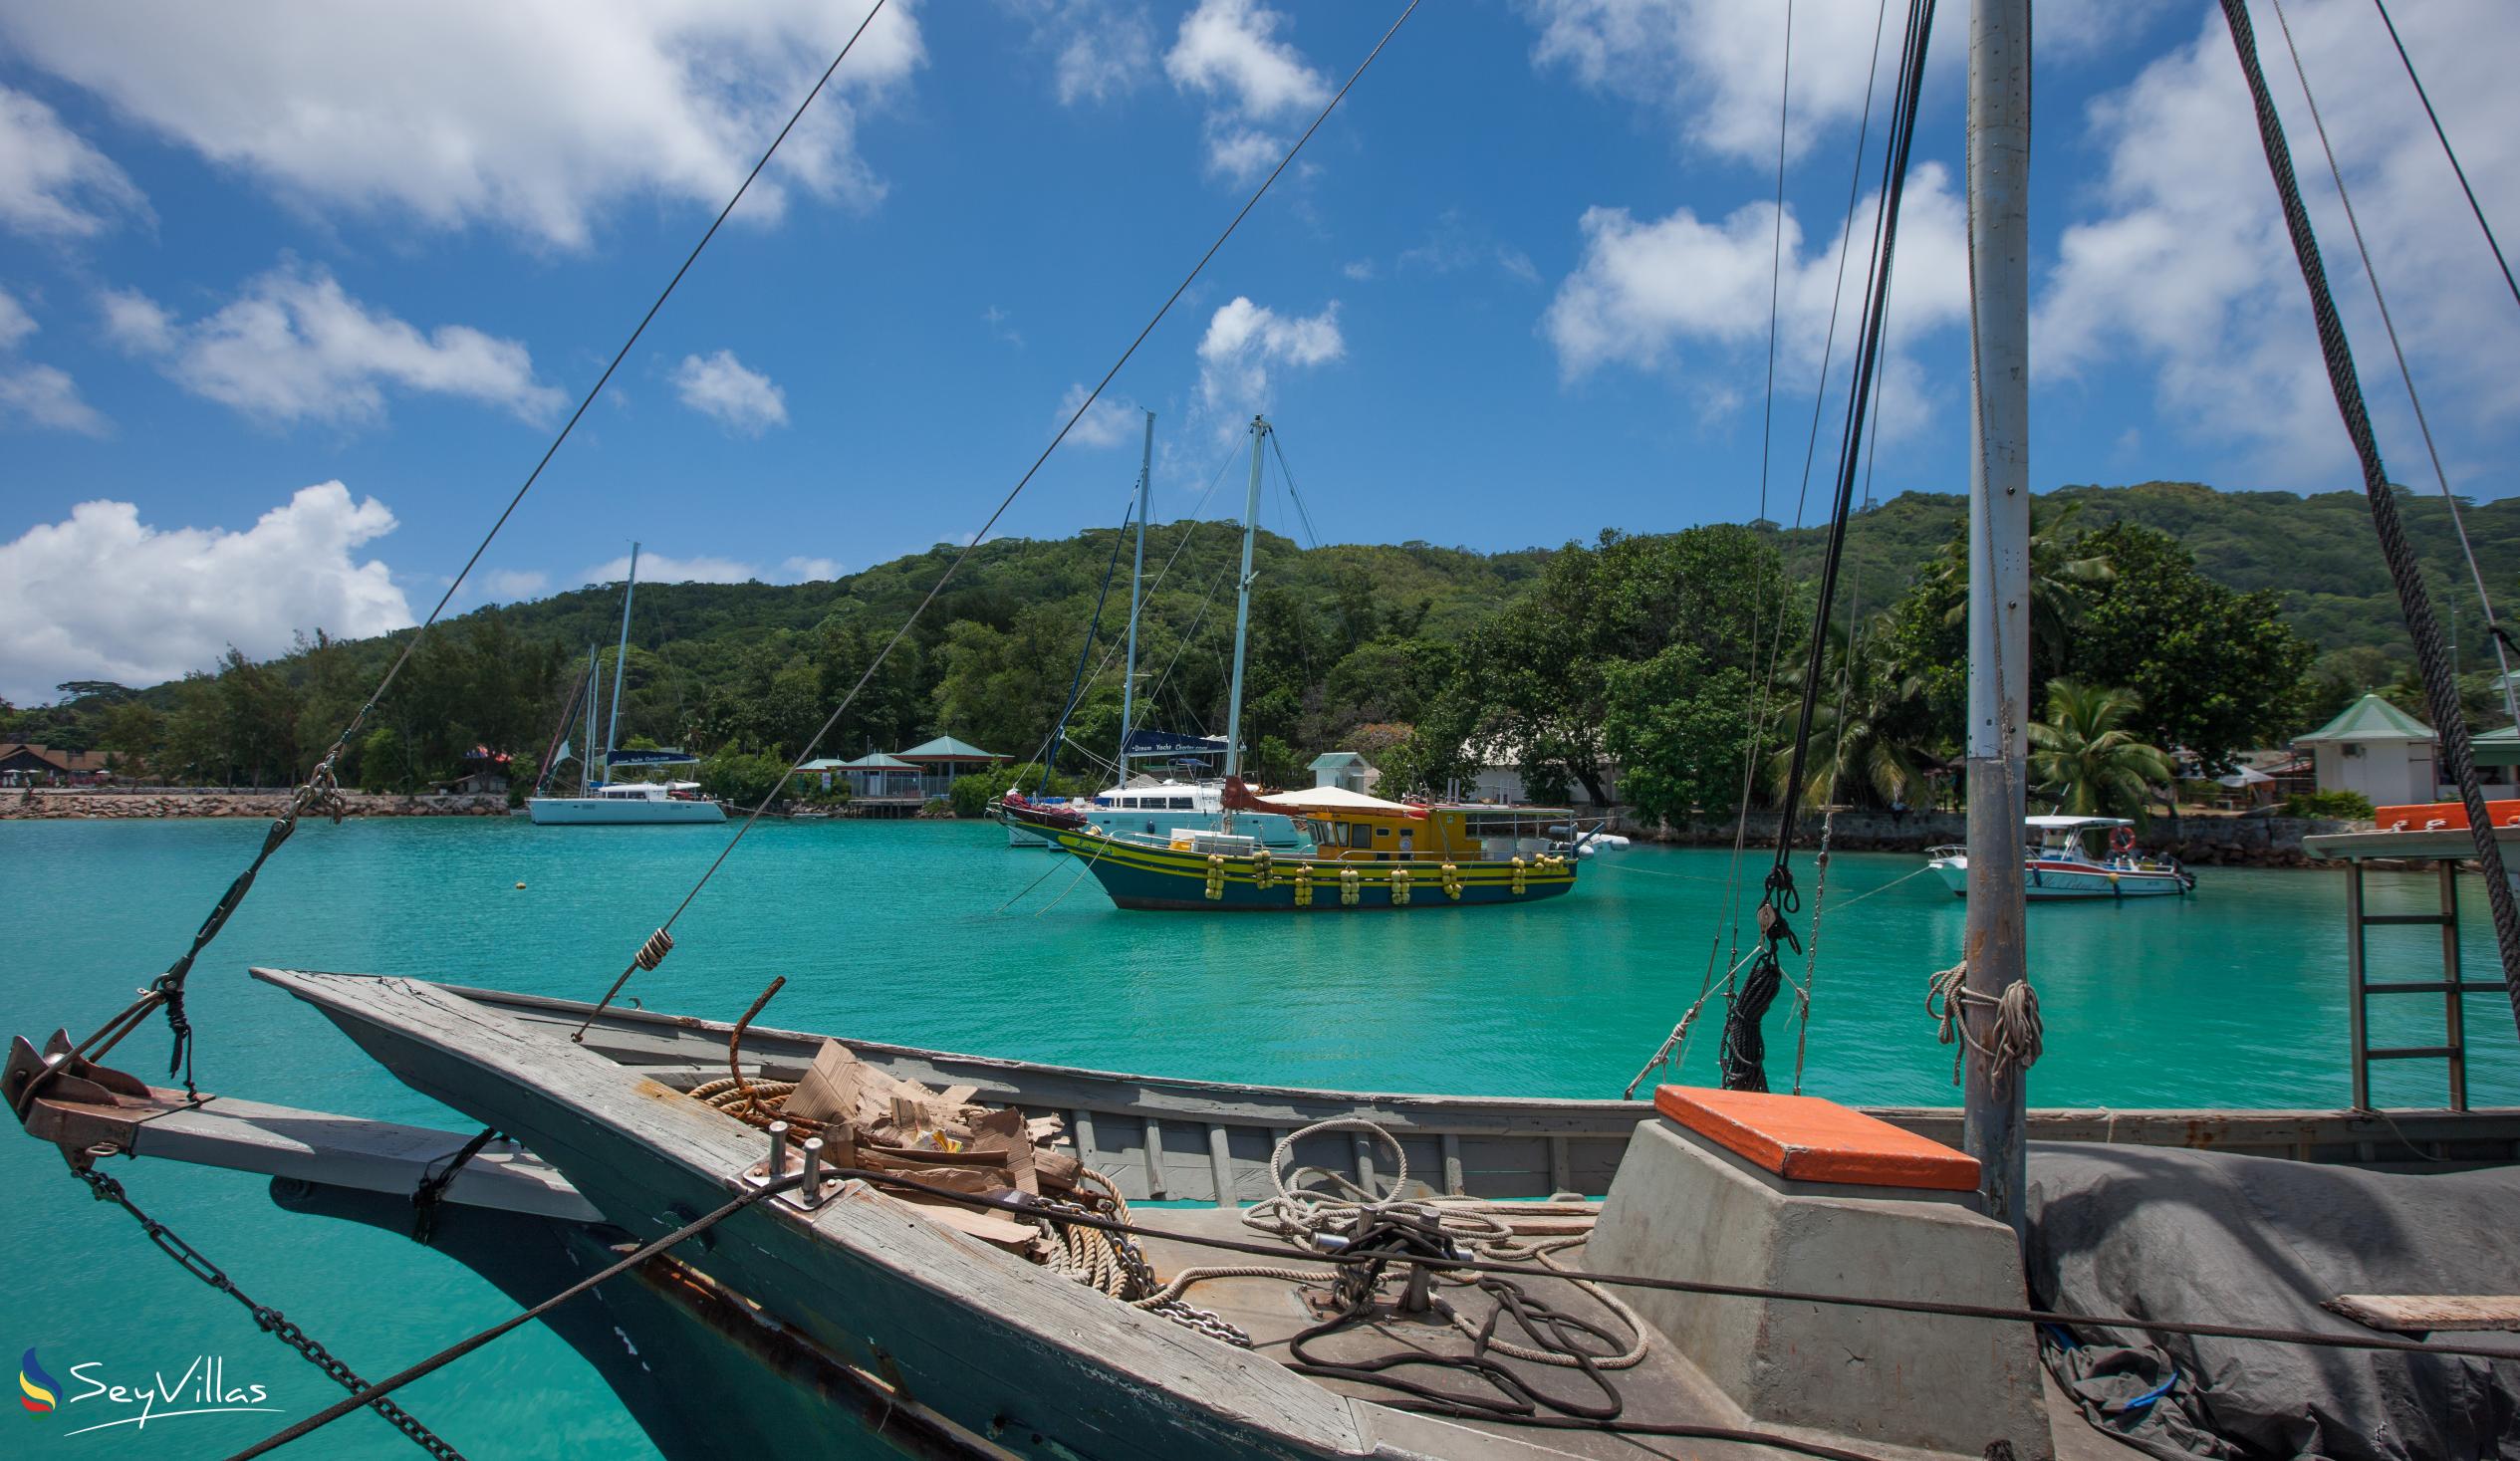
(1137,591)
(612,723)
(586,757)
(1999,577)
(1242,615)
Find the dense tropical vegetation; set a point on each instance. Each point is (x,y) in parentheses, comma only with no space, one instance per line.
(2165,616)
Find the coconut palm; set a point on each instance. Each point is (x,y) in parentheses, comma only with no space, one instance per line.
(2084,757)
(2060,580)
(1863,730)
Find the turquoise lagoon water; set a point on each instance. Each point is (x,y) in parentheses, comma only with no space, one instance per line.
(897,931)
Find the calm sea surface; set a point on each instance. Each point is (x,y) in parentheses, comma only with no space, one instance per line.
(897,931)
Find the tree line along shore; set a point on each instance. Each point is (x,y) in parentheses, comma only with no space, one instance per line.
(2173,627)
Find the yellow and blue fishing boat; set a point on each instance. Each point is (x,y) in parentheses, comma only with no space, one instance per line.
(1367,853)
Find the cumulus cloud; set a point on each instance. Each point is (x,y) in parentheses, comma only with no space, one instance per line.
(1109,423)
(507,585)
(810,569)
(53,183)
(532,118)
(1246,341)
(37,396)
(295,346)
(1100,49)
(2182,266)
(1713,66)
(741,399)
(1692,295)
(658,568)
(104,595)
(1229,51)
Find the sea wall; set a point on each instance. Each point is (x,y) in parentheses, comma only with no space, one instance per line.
(2205,840)
(91,802)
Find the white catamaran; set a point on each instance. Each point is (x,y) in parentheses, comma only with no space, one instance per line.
(612,803)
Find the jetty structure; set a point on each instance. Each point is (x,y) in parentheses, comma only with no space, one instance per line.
(774,1241)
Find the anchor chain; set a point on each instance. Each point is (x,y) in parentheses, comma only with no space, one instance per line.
(272,1321)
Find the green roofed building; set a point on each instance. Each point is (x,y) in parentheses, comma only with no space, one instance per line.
(2374,748)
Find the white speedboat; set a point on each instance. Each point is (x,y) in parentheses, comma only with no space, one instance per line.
(628,802)
(2060,866)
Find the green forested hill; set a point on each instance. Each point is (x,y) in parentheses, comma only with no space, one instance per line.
(1347,639)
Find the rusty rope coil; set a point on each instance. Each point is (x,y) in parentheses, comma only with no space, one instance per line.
(654,951)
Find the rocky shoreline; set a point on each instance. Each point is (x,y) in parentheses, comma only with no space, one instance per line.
(46,804)
(2203,839)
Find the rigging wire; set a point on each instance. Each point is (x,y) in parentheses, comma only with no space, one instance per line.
(951,568)
(1302,514)
(1093,627)
(2458,522)
(321,792)
(2404,572)
(2446,149)
(1743,1053)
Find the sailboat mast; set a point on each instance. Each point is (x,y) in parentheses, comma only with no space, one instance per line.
(612,723)
(586,757)
(1999,577)
(1136,591)
(1242,613)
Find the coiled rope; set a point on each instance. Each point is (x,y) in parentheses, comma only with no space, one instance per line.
(2018,1036)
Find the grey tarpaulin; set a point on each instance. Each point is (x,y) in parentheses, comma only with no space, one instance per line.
(2243,1240)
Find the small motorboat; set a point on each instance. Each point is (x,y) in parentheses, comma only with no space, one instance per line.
(2060,863)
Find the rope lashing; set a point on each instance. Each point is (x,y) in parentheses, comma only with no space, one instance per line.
(654,951)
(1742,1057)
(649,955)
(431,1190)
(2018,1035)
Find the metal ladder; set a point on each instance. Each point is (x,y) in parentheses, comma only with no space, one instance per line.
(2453,1047)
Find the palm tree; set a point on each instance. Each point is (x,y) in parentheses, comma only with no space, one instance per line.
(1862,730)
(2059,581)
(2083,755)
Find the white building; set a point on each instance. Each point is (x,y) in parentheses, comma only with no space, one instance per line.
(2374,748)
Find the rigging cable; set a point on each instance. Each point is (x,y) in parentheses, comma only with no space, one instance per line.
(1302,514)
(1743,1054)
(2447,150)
(2414,600)
(321,792)
(2458,522)
(664,929)
(1093,627)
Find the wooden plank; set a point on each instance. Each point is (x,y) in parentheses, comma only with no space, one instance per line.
(1081,1125)
(348,1151)
(1157,1186)
(1362,1146)
(1452,1166)
(2423,1314)
(1221,1166)
(1561,1170)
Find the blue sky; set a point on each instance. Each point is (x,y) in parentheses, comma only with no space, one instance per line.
(290,300)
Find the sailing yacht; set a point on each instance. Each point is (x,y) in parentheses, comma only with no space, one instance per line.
(615,803)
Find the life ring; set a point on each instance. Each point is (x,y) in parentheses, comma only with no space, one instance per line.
(2122,841)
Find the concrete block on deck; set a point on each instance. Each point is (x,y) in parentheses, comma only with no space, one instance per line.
(1684,1206)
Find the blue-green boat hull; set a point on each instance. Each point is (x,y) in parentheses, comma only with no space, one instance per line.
(1159,878)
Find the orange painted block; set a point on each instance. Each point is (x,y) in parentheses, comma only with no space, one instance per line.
(1808,1140)
(2442,816)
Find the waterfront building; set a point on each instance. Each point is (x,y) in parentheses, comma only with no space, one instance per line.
(2374,748)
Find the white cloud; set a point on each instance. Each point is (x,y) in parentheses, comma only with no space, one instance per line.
(1109,423)
(53,184)
(39,395)
(720,386)
(2183,266)
(295,346)
(658,568)
(1228,51)
(1245,342)
(534,118)
(810,569)
(507,585)
(1360,270)
(1690,295)
(15,323)
(1713,66)
(1100,49)
(104,596)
